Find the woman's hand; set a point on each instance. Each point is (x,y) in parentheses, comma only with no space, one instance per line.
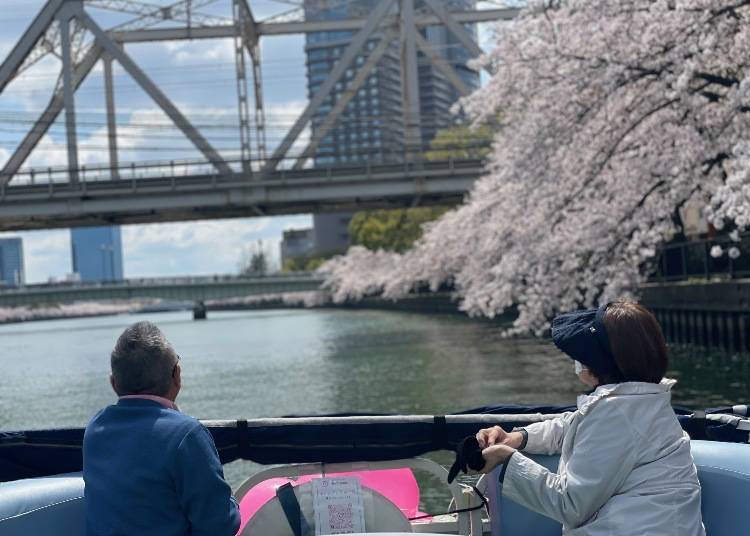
(494,456)
(488,437)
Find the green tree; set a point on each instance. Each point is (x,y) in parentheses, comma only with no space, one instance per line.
(396,230)
(305,263)
(254,260)
(461,142)
(392,230)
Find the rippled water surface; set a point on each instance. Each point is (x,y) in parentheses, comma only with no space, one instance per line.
(272,363)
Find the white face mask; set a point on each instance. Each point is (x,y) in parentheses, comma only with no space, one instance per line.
(579,367)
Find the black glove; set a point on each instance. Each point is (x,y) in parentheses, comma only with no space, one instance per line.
(468,454)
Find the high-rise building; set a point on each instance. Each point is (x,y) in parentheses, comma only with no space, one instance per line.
(371,126)
(331,232)
(97,253)
(11,262)
(296,243)
(436,94)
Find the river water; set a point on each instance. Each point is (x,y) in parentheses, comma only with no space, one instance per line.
(273,363)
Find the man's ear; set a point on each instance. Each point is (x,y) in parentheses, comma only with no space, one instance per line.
(178,377)
(113,384)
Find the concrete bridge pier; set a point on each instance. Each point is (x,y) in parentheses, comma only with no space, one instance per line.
(199,311)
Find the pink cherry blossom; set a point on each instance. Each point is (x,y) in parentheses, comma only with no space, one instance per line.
(615,113)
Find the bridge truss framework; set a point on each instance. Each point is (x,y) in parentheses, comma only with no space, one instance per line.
(65,28)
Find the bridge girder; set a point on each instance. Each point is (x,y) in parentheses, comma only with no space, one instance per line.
(163,199)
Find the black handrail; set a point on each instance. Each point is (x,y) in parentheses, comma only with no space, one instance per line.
(693,259)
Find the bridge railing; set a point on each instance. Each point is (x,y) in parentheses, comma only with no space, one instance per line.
(250,169)
(161,281)
(693,259)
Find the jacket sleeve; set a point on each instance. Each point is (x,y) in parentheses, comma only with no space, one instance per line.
(546,437)
(604,453)
(203,493)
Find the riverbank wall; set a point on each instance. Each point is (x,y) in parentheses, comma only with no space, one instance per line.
(439,303)
(709,314)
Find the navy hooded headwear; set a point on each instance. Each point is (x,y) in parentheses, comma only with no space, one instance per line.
(583,337)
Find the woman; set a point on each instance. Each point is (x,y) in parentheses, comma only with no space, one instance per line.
(625,463)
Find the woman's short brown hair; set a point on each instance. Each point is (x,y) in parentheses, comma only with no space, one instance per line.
(637,343)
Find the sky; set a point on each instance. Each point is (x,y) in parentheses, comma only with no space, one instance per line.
(199,77)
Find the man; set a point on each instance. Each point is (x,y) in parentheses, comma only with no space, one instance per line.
(149,469)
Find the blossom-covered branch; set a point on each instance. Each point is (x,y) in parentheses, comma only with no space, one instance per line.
(615,113)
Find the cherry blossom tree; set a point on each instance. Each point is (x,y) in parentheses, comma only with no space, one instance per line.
(615,114)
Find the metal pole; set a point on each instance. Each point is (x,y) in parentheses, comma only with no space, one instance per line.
(111,118)
(243,109)
(68,97)
(705,259)
(683,260)
(260,114)
(410,81)
(249,31)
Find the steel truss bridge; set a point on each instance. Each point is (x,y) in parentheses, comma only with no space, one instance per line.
(258,183)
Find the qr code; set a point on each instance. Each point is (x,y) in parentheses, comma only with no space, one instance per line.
(341,517)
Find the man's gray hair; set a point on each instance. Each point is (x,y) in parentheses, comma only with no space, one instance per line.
(143,361)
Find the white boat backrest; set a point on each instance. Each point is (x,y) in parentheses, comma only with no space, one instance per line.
(724,473)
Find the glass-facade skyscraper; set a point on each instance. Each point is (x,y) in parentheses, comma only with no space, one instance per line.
(371,126)
(11,262)
(97,253)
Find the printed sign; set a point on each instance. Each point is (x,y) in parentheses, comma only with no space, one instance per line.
(337,505)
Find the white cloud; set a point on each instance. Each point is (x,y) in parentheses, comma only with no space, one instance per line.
(31,90)
(213,51)
(204,234)
(204,247)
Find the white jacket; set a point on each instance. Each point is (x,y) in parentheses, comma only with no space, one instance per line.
(625,467)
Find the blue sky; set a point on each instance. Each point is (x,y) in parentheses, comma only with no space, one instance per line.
(199,78)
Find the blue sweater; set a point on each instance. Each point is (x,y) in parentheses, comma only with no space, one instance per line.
(150,470)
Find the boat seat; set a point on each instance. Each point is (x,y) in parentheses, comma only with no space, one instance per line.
(55,505)
(724,473)
(46,505)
